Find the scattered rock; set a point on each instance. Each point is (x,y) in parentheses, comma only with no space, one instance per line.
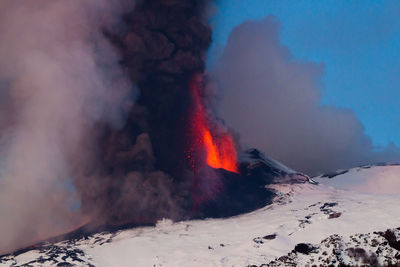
(390,236)
(334,215)
(359,254)
(258,240)
(333,174)
(270,237)
(371,249)
(303,223)
(328,205)
(304,248)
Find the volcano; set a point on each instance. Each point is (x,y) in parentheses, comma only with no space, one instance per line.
(111,130)
(173,157)
(123,121)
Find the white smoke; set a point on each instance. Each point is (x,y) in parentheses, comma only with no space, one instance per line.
(58,77)
(273,101)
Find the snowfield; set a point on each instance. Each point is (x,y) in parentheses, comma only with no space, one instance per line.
(367,179)
(307,224)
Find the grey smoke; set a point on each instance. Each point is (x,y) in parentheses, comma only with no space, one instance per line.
(58,77)
(273,101)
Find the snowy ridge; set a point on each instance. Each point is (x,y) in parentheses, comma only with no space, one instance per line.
(367,179)
(320,217)
(371,249)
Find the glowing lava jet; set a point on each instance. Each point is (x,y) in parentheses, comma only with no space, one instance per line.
(219,147)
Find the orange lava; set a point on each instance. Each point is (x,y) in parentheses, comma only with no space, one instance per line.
(222,155)
(220,148)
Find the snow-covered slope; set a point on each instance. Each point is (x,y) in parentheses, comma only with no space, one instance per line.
(306,224)
(367,179)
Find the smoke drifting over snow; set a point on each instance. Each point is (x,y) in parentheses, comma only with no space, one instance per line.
(79,142)
(56,75)
(273,101)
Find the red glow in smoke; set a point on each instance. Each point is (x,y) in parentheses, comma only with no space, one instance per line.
(220,148)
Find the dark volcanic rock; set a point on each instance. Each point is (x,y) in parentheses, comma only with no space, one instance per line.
(304,248)
(334,215)
(359,254)
(240,193)
(390,236)
(372,249)
(333,174)
(269,237)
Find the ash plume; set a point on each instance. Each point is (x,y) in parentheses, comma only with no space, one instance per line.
(106,120)
(273,101)
(144,173)
(59,76)
(95,113)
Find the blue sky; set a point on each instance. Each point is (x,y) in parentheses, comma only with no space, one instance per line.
(357,41)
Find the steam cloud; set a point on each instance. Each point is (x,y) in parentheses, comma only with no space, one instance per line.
(273,101)
(59,76)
